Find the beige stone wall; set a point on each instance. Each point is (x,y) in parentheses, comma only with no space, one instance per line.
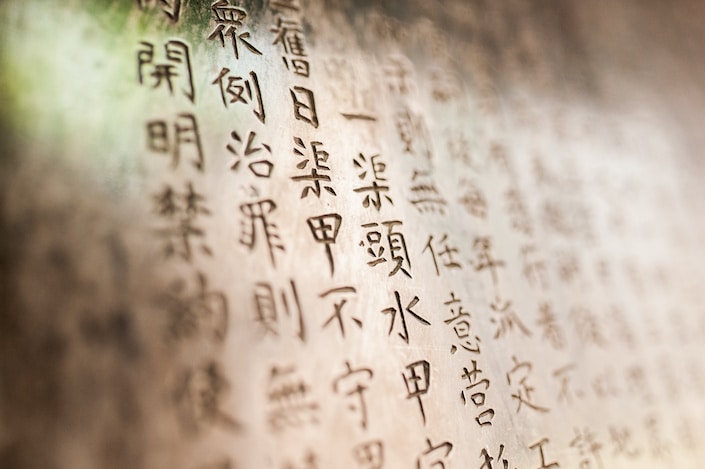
(310,245)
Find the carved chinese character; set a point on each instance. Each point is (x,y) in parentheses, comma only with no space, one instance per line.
(444,251)
(257,221)
(485,259)
(180,210)
(198,398)
(588,448)
(220,463)
(460,321)
(499,157)
(289,401)
(371,168)
(564,375)
(459,148)
(472,199)
(235,89)
(399,310)
(518,376)
(658,444)
(623,443)
(539,447)
(324,229)
(176,67)
(227,19)
(413,133)
(288,33)
(304,105)
(204,312)
(397,73)
(505,318)
(268,307)
(353,383)
(395,242)
(338,308)
(551,332)
(487,459)
(587,327)
(262,166)
(369,455)
(185,136)
(317,176)
(477,396)
(543,176)
(434,456)
(637,383)
(418,382)
(534,269)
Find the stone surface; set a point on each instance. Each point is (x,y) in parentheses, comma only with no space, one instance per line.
(351,234)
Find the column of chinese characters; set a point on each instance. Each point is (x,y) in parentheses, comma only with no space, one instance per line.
(446,257)
(562,212)
(181,209)
(383,241)
(533,268)
(241,90)
(504,316)
(414,136)
(471,195)
(476,386)
(372,187)
(312,157)
(197,315)
(368,452)
(289,38)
